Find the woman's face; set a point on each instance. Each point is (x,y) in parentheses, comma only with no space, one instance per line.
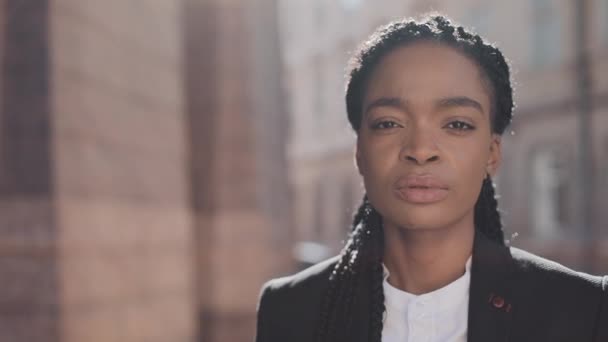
(425,143)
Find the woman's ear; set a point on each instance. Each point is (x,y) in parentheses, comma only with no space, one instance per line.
(495,157)
(358,159)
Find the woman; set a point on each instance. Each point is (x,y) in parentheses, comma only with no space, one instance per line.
(426,260)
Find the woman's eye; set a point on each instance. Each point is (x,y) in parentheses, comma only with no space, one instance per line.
(460,126)
(385,125)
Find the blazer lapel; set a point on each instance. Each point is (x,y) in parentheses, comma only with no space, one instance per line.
(491,304)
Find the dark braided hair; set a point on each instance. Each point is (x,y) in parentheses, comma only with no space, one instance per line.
(361,258)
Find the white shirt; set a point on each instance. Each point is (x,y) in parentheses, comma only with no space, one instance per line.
(438,316)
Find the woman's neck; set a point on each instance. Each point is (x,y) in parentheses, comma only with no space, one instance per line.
(421,261)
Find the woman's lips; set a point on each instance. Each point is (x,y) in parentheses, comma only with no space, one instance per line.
(421,189)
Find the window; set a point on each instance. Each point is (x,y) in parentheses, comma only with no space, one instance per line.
(550,205)
(603,22)
(347,210)
(604,172)
(319,212)
(479,18)
(320,15)
(2,133)
(318,91)
(546,35)
(602,192)
(351,5)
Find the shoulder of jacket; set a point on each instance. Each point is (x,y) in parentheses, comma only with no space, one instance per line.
(290,305)
(533,265)
(310,277)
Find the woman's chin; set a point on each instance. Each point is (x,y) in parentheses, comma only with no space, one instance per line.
(430,218)
(419,226)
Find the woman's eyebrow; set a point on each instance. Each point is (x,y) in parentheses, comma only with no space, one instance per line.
(458,101)
(393,102)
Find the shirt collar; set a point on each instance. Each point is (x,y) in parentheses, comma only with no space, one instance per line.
(441,299)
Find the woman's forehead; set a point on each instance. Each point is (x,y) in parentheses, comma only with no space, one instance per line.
(427,71)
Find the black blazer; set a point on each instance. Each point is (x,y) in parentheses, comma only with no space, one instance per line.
(514,296)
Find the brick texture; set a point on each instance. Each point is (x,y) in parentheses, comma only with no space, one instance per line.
(142,169)
(28,268)
(122,198)
(238,131)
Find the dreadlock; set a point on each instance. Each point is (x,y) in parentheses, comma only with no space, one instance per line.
(361,258)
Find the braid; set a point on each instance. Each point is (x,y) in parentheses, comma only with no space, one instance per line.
(377,290)
(377,303)
(361,258)
(362,252)
(487,216)
(345,277)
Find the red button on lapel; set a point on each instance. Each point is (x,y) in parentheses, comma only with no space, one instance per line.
(498,302)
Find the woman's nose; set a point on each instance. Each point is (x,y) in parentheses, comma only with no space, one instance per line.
(419,147)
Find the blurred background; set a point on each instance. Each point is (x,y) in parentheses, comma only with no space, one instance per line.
(161,159)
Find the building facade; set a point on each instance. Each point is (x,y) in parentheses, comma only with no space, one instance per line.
(537,181)
(143,189)
(237,132)
(94,220)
